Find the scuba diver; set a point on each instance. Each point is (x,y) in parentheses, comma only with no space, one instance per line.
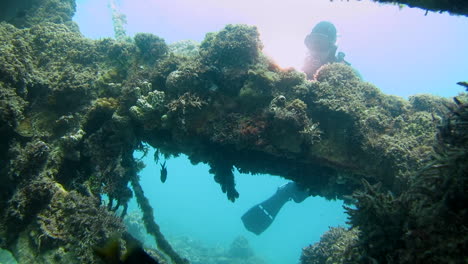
(258,218)
(321,45)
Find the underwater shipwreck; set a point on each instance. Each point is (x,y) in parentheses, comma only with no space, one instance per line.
(73,111)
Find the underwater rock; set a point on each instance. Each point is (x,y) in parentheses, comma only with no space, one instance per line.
(240,248)
(238,253)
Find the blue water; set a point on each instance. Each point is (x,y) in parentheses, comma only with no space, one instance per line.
(190,203)
(403,52)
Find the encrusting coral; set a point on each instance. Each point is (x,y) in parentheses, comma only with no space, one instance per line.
(425,222)
(25,13)
(337,245)
(73,111)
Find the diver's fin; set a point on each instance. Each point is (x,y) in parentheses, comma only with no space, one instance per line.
(257,219)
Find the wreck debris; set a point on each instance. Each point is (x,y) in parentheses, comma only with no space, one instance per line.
(153,228)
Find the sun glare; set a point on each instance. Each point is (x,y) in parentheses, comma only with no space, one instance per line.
(283,25)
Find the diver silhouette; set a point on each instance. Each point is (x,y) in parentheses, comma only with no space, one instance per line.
(321,46)
(258,218)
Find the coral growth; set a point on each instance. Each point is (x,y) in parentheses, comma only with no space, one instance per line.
(147,107)
(150,47)
(231,52)
(72,221)
(388,211)
(370,124)
(26,13)
(236,46)
(337,245)
(425,223)
(289,122)
(223,175)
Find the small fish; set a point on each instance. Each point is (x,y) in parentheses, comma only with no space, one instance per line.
(163,172)
(110,253)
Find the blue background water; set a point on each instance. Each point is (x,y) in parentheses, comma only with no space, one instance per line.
(190,203)
(403,52)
